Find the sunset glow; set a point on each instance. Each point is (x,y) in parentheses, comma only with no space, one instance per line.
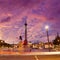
(38,13)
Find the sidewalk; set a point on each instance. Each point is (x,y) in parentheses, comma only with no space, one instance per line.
(41,53)
(28,53)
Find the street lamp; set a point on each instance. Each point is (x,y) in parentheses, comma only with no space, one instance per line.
(47,27)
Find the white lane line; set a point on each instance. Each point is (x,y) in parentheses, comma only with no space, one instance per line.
(36,57)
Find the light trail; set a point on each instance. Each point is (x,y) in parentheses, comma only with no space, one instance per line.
(36,57)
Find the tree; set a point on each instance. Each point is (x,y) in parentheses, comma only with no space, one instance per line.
(57,40)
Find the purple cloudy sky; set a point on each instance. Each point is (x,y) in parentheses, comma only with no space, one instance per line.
(38,13)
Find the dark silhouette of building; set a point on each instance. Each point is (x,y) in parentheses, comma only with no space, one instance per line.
(4,44)
(57,40)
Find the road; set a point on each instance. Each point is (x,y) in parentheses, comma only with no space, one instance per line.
(30,57)
(12,55)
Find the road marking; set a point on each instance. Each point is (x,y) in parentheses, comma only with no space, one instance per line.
(36,57)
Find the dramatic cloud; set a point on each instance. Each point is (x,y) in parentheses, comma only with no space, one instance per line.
(38,13)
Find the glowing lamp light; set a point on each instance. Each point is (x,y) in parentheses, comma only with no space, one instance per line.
(46,27)
(58,40)
(1,41)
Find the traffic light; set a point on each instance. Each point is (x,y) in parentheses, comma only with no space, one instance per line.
(20,37)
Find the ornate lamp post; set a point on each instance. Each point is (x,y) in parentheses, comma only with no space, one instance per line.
(25,41)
